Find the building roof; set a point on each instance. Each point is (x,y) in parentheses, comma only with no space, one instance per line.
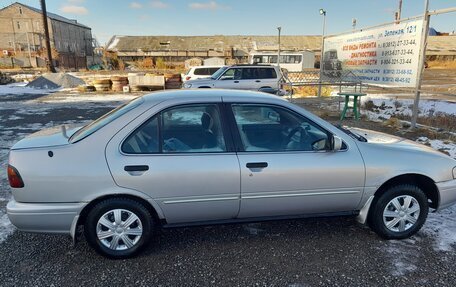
(443,45)
(216,43)
(436,44)
(51,15)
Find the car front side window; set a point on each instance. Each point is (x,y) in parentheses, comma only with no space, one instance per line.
(275,129)
(231,74)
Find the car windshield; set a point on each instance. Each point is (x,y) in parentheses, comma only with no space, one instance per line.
(352,134)
(104,120)
(218,73)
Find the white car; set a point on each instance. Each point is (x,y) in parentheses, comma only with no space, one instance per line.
(241,77)
(199,72)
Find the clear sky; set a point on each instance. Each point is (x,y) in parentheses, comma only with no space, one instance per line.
(235,17)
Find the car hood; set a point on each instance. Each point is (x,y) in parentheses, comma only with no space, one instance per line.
(55,136)
(395,142)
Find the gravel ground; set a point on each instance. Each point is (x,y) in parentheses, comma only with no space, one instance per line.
(309,252)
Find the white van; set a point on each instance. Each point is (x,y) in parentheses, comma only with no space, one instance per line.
(292,61)
(199,72)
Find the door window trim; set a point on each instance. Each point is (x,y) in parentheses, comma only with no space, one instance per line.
(225,129)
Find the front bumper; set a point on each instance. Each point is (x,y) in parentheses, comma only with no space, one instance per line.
(43,217)
(447,190)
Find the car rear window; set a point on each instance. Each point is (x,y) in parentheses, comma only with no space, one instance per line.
(104,120)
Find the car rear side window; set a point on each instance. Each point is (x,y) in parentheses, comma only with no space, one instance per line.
(144,139)
(195,128)
(182,129)
(266,73)
(201,72)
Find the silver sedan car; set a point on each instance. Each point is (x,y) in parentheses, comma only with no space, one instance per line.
(192,157)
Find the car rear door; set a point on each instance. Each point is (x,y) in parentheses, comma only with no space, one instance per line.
(249,79)
(267,77)
(286,167)
(182,158)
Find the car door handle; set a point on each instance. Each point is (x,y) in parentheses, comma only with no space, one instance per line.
(236,81)
(257,81)
(256,165)
(136,167)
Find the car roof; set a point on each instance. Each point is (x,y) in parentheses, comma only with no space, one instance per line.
(254,65)
(202,67)
(202,94)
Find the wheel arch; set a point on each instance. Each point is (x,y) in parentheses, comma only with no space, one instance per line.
(425,183)
(157,215)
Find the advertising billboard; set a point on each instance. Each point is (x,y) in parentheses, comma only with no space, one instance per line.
(387,55)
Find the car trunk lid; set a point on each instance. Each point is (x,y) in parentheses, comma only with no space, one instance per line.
(55,136)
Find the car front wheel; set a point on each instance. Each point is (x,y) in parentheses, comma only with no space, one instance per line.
(399,212)
(118,227)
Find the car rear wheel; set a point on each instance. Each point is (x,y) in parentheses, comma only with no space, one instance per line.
(118,227)
(400,212)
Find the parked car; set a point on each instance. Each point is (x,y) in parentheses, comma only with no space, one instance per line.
(199,72)
(241,77)
(190,157)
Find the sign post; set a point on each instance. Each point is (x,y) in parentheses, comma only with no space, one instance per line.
(386,55)
(420,71)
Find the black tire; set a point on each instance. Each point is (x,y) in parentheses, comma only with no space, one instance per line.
(376,220)
(129,205)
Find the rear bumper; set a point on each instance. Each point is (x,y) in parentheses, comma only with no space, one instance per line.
(447,190)
(43,217)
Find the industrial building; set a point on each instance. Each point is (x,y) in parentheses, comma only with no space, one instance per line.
(177,49)
(22,40)
(237,49)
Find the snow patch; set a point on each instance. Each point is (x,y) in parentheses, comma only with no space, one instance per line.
(19,89)
(399,252)
(445,146)
(386,107)
(442,227)
(113,44)
(91,98)
(6,228)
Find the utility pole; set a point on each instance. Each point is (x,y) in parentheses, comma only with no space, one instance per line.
(278,53)
(50,65)
(422,59)
(323,13)
(399,11)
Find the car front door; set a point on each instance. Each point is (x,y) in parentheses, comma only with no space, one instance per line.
(287,167)
(229,80)
(181,158)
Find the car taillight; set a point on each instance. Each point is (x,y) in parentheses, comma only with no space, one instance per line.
(14,177)
(188,78)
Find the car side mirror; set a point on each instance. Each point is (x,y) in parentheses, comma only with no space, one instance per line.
(336,143)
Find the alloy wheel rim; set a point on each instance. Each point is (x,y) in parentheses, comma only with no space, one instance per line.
(119,229)
(401,213)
